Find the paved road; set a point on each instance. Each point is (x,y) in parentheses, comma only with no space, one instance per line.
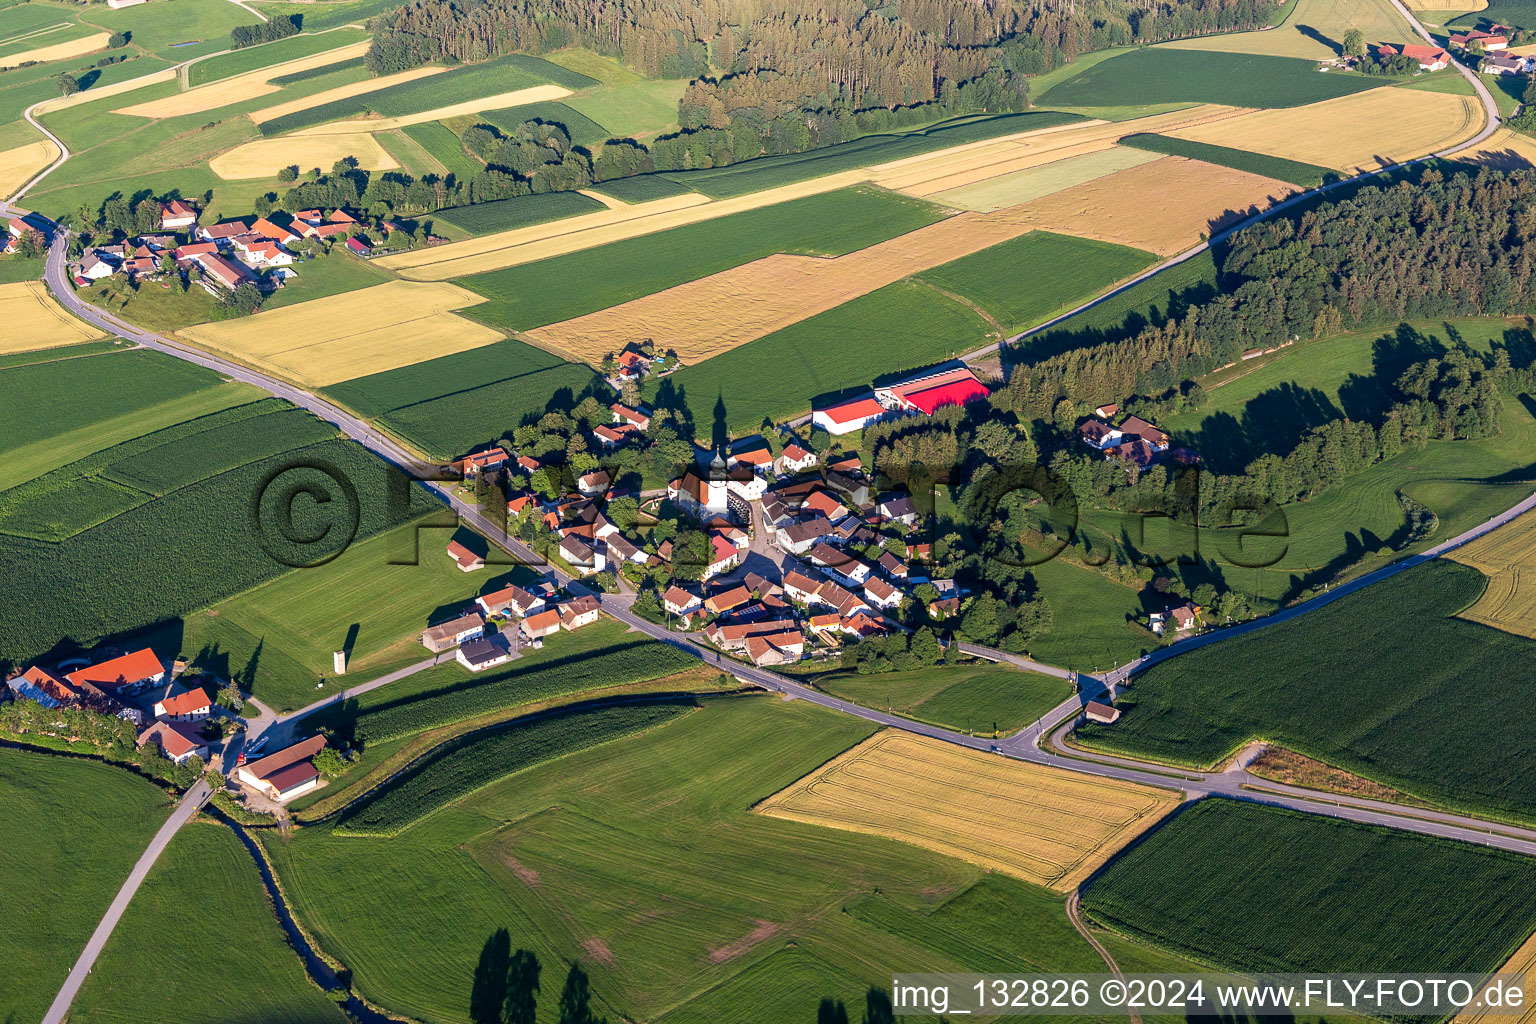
(190,803)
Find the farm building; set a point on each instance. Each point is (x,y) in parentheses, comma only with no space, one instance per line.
(485,652)
(468,560)
(926,392)
(129,673)
(187,706)
(581,612)
(511,599)
(1098,712)
(846,417)
(476,462)
(452,633)
(177,740)
(285,774)
(542,624)
(176,215)
(1430,58)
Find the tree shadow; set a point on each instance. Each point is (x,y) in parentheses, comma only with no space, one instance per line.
(488,991)
(1316,36)
(1367,398)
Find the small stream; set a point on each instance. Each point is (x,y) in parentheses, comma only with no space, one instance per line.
(319,971)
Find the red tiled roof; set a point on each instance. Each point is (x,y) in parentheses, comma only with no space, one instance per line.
(124,671)
(185,703)
(847,412)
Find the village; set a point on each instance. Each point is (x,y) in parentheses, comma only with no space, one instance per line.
(260,251)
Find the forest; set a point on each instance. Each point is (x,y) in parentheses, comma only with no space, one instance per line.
(776,77)
(1433,248)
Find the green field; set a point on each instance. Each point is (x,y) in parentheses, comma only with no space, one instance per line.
(1029,279)
(1241,886)
(1386,722)
(331,274)
(582,129)
(161,558)
(587,664)
(640,189)
(521,212)
(176,29)
(1311,29)
(503,74)
(487,758)
(22,87)
(772,171)
(830,224)
(320,72)
(224,959)
(444,146)
(978,698)
(73,393)
(447,405)
(70,831)
(1293,171)
(251,58)
(1161,75)
(632,110)
(901,326)
(1517,13)
(1155,300)
(642,858)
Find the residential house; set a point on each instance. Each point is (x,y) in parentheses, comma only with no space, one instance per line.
(94,268)
(264,228)
(611,437)
(583,555)
(1098,712)
(177,216)
(1107,411)
(1100,435)
(261,252)
(724,556)
(794,459)
(130,673)
(881,594)
(542,624)
(620,549)
(1184,617)
(519,502)
(678,601)
(822,503)
(892,566)
(283,775)
(1498,64)
(898,508)
(485,652)
(594,484)
(752,452)
(476,462)
(448,634)
(188,706)
(583,611)
(510,599)
(727,600)
(783,648)
(854,487)
(799,537)
(176,740)
(640,419)
(1477,38)
(224,231)
(1136,427)
(192,250)
(468,560)
(848,416)
(1134,451)
(734,636)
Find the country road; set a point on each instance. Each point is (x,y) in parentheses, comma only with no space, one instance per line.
(191,802)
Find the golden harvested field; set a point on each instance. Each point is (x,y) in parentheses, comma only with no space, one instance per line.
(1038,182)
(981,161)
(516,98)
(1507,556)
(1463,6)
(342,92)
(1505,150)
(17,166)
(1164,206)
(714,314)
(1299,35)
(58,51)
(106,91)
(915,175)
(239,87)
(33,320)
(1360,132)
(265,157)
(324,341)
(1522,961)
(541,241)
(1047,826)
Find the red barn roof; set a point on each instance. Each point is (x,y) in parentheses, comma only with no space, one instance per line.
(124,671)
(955,393)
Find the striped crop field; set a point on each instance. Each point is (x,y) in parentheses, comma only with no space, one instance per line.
(1507,556)
(1050,827)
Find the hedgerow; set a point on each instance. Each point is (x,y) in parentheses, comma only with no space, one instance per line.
(612,667)
(494,756)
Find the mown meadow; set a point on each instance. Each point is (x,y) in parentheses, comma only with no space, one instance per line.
(1163,75)
(70,830)
(641,859)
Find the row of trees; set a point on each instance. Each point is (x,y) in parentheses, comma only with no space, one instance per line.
(279,27)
